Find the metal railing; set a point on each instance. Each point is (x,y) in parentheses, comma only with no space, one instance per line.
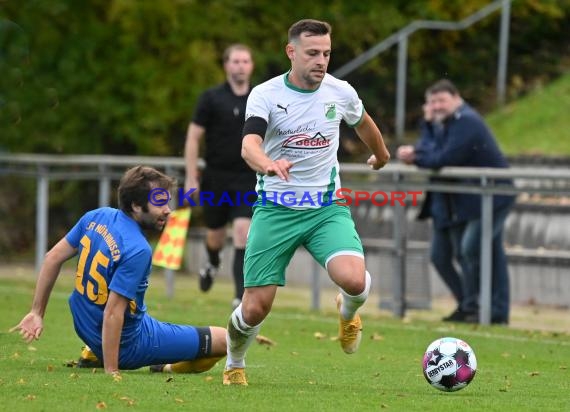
(395,176)
(401,38)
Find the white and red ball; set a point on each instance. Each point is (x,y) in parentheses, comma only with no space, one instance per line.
(449,364)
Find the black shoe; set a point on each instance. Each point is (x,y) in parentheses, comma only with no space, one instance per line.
(156,368)
(499,321)
(471,317)
(86,363)
(207,275)
(461,316)
(88,359)
(457,314)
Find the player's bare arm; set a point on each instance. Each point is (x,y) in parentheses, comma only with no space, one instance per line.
(369,133)
(31,326)
(113,319)
(255,157)
(191,150)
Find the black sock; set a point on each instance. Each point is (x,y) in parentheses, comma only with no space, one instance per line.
(213,256)
(239,255)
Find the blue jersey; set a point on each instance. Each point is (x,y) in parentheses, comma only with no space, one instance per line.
(114,255)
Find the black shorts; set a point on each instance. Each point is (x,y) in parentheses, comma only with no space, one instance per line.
(225,196)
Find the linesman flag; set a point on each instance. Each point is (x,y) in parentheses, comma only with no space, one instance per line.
(170,248)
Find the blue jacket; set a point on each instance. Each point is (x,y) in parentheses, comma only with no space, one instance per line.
(436,205)
(468,142)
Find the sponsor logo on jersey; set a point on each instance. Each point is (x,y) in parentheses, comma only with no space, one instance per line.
(305,141)
(283,107)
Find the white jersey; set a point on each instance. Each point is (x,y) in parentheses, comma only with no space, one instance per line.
(303,127)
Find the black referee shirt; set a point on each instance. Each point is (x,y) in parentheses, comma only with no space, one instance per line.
(222,114)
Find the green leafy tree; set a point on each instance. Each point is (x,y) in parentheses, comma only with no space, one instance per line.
(123,76)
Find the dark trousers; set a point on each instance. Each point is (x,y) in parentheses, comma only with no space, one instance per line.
(471,254)
(446,258)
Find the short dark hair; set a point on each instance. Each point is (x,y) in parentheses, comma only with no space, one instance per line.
(234,47)
(136,184)
(441,86)
(310,26)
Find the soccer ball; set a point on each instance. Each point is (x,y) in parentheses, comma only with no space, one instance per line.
(449,364)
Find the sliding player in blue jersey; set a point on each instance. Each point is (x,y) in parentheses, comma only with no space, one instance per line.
(107,304)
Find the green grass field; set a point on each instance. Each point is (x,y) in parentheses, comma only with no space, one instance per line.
(305,371)
(536,124)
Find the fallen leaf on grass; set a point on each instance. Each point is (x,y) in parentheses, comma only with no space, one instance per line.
(319,335)
(263,340)
(128,401)
(534,373)
(101,405)
(376,336)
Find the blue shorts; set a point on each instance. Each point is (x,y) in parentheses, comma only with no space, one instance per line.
(157,343)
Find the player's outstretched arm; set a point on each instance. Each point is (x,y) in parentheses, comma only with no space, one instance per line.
(369,133)
(31,326)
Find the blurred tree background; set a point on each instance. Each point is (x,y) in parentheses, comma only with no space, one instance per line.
(123,76)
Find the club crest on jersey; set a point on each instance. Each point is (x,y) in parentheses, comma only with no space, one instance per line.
(330,111)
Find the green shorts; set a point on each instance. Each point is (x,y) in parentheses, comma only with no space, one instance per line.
(277,231)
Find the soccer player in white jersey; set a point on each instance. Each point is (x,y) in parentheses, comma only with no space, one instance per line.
(291,137)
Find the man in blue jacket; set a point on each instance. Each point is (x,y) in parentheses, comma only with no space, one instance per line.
(467,141)
(446,232)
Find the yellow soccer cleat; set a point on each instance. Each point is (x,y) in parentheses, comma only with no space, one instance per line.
(235,376)
(350,331)
(88,359)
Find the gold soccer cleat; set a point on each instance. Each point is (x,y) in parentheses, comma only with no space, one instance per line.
(350,331)
(88,359)
(235,376)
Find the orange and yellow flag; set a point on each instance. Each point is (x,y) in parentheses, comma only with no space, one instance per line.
(170,248)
